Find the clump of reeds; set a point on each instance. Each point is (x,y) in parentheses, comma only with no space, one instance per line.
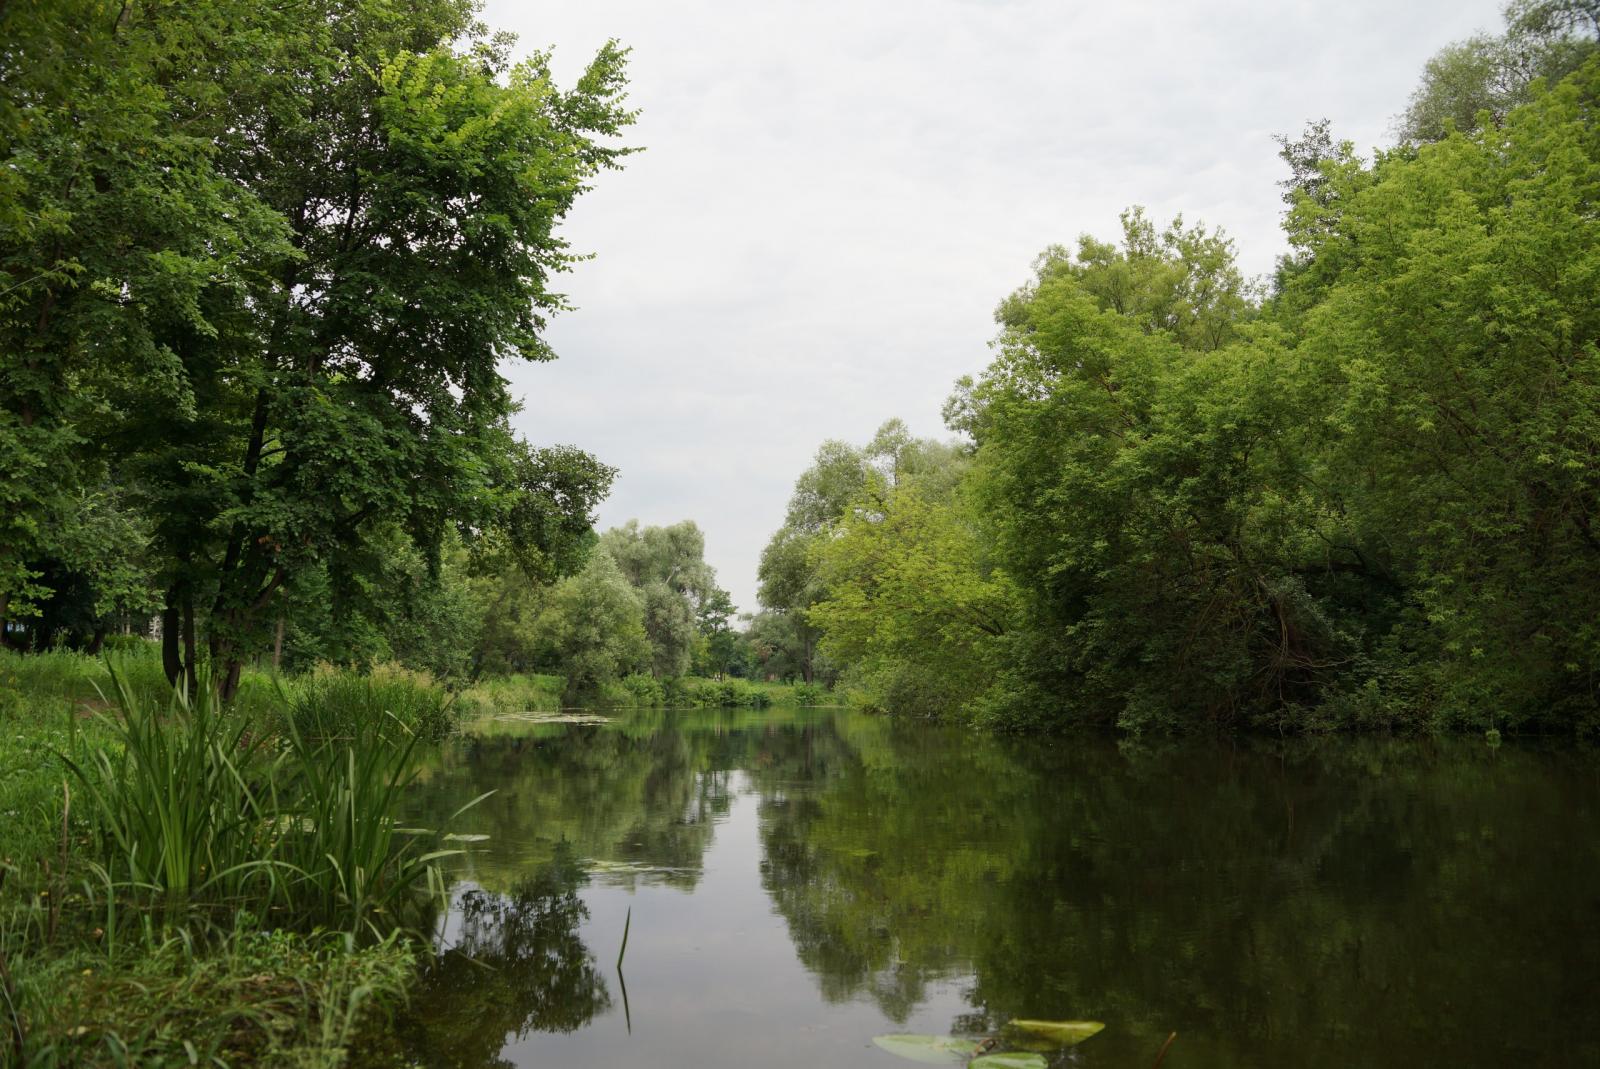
(202,804)
(333,702)
(182,804)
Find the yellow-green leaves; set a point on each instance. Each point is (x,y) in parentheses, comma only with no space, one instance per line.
(933,1050)
(1058,1033)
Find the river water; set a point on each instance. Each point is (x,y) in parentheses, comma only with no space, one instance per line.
(794,883)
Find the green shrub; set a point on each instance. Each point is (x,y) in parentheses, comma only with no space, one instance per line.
(128,645)
(809,694)
(335,702)
(642,690)
(519,693)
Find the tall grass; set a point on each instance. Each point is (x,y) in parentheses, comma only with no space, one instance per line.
(54,679)
(336,703)
(194,807)
(175,801)
(224,996)
(520,693)
(349,856)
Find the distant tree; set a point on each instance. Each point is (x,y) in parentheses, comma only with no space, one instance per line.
(841,479)
(914,605)
(595,621)
(667,566)
(1488,75)
(720,647)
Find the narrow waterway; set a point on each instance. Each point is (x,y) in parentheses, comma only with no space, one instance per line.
(800,882)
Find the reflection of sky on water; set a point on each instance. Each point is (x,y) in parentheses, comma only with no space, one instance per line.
(712,976)
(801,882)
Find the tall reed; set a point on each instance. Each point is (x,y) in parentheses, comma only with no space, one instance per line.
(335,702)
(198,803)
(342,841)
(178,801)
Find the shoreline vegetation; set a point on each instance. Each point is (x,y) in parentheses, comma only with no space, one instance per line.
(1360,495)
(184,879)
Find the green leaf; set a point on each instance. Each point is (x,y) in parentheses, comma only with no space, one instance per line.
(1061,1033)
(935,1050)
(1009,1060)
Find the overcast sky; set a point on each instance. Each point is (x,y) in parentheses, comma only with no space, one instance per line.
(834,196)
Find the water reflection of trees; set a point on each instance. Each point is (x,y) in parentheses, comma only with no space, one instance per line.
(643,801)
(1319,904)
(1309,904)
(516,965)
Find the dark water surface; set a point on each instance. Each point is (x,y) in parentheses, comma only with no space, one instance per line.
(802,881)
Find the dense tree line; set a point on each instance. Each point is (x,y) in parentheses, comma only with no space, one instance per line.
(1366,494)
(258,267)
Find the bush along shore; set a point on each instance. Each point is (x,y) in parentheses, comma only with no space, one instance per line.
(188,881)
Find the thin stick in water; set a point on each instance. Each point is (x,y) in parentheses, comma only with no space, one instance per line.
(622,982)
(1163,1053)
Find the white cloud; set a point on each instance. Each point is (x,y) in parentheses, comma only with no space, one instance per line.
(834,196)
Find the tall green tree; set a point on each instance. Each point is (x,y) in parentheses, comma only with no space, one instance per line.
(914,605)
(790,581)
(595,621)
(317,229)
(115,224)
(667,566)
(1487,75)
(1457,348)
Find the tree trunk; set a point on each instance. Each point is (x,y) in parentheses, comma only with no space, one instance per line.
(171,661)
(191,661)
(97,641)
(230,679)
(277,645)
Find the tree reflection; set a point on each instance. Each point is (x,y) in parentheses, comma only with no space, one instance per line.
(1306,903)
(1314,904)
(516,965)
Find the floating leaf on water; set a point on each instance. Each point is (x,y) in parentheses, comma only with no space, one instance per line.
(1061,1033)
(934,1050)
(1009,1060)
(462,837)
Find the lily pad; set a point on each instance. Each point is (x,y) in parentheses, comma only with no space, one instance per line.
(1009,1060)
(933,1050)
(1059,1033)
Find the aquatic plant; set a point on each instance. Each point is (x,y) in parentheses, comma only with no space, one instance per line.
(339,835)
(1031,1036)
(335,702)
(178,803)
(193,806)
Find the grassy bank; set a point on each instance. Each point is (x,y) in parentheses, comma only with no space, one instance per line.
(548,693)
(185,883)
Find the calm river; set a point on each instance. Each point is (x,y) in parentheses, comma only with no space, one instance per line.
(802,881)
